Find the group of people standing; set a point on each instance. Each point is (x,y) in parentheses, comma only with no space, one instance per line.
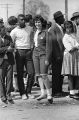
(34,46)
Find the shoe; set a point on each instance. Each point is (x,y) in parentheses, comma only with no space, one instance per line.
(50,99)
(41,97)
(24,97)
(31,96)
(36,84)
(77,94)
(16,90)
(9,99)
(74,96)
(4,104)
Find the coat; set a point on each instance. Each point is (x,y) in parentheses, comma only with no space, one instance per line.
(4,44)
(55,47)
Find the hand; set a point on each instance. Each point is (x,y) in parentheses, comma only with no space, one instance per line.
(46,62)
(10,49)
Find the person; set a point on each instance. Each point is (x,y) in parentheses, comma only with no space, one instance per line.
(54,54)
(39,55)
(23,56)
(75,20)
(70,66)
(6,66)
(12,23)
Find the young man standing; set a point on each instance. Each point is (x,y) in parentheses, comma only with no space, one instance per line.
(21,37)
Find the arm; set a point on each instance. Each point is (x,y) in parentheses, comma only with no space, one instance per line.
(68,44)
(48,48)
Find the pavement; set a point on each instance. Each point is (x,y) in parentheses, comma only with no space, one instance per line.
(63,108)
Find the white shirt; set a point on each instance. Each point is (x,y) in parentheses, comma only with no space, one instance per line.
(36,38)
(21,37)
(69,42)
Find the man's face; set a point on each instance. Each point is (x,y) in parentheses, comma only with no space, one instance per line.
(61,19)
(77,20)
(1,24)
(21,22)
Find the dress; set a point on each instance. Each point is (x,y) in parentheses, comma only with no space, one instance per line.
(70,64)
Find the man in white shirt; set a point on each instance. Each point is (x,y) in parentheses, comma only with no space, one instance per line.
(21,37)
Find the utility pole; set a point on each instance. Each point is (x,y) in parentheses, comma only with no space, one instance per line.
(7,6)
(66,9)
(24,7)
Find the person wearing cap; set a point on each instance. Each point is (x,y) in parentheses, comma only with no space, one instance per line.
(75,20)
(70,66)
(55,51)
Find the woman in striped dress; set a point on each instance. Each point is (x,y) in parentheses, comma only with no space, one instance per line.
(70,66)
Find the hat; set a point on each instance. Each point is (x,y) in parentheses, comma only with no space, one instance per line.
(74,15)
(1,20)
(57,14)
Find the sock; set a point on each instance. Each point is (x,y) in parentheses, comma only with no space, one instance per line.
(72,92)
(42,91)
(48,92)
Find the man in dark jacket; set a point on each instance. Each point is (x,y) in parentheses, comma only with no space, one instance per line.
(55,50)
(6,66)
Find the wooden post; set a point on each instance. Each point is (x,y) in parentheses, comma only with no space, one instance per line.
(66,9)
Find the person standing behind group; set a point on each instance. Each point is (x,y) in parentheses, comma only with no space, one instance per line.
(39,56)
(55,50)
(23,56)
(12,23)
(70,66)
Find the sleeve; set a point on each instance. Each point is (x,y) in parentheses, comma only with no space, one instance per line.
(48,47)
(3,48)
(32,38)
(67,44)
(13,35)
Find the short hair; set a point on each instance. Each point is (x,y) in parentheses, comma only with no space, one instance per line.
(21,15)
(40,18)
(28,17)
(12,20)
(69,24)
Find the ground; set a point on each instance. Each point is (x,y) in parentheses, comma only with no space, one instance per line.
(63,108)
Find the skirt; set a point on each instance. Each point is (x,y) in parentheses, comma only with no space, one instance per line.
(70,65)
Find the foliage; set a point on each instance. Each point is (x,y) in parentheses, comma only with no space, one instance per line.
(35,7)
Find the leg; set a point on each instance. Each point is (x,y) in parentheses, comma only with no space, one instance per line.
(44,74)
(30,71)
(2,86)
(9,80)
(37,74)
(20,68)
(57,78)
(3,68)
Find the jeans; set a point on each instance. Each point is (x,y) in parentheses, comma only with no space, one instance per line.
(6,78)
(24,58)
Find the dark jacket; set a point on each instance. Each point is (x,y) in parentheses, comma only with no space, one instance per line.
(55,47)
(4,44)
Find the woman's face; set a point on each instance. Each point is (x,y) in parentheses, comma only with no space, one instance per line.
(38,24)
(68,29)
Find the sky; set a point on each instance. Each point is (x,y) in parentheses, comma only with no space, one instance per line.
(15,7)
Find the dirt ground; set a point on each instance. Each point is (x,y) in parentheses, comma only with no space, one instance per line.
(63,108)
